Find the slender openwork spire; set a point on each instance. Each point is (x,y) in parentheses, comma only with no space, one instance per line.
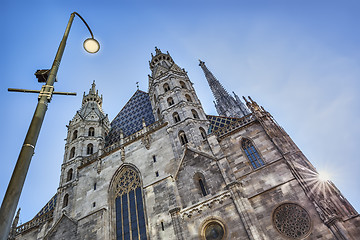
(225,104)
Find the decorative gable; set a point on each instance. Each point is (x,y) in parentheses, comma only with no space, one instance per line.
(64,228)
(176,68)
(159,70)
(193,167)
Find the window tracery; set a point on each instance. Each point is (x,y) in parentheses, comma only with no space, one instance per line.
(252,153)
(292,221)
(130,216)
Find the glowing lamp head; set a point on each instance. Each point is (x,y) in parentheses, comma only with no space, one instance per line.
(91,45)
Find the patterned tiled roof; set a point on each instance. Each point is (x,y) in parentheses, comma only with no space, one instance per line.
(50,205)
(217,122)
(129,119)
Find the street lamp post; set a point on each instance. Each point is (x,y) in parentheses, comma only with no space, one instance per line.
(12,195)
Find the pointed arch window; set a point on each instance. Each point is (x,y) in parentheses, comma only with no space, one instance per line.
(154,98)
(166,87)
(203,133)
(72,153)
(90,149)
(129,206)
(158,114)
(176,117)
(183,138)
(74,136)
(195,114)
(251,153)
(188,98)
(91,132)
(69,175)
(66,200)
(200,182)
(170,101)
(182,84)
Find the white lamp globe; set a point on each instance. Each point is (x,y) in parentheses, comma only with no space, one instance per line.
(91,45)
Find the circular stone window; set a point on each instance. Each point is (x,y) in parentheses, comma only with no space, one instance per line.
(214,231)
(292,221)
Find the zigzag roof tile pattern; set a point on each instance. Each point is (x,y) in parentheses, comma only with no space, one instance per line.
(129,119)
(217,122)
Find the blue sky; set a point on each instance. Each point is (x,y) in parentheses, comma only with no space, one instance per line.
(298,59)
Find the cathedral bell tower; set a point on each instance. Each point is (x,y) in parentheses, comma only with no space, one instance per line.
(174,100)
(85,139)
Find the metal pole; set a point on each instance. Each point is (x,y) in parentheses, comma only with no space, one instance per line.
(11,199)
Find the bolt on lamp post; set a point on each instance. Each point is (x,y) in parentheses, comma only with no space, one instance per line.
(12,195)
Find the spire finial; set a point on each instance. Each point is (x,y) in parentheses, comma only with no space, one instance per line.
(92,90)
(157,50)
(137,85)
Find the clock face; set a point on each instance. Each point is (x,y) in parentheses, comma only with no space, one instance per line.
(214,231)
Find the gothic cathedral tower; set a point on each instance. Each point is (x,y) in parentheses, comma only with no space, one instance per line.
(86,136)
(174,99)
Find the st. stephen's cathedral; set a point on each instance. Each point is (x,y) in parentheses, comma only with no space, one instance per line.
(164,169)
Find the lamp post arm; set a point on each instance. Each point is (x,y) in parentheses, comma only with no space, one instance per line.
(92,35)
(12,195)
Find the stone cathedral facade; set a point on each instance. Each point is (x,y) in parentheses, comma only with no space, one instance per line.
(164,169)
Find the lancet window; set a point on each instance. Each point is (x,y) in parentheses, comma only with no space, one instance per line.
(72,153)
(91,132)
(166,87)
(170,101)
(200,182)
(90,149)
(182,84)
(183,138)
(69,175)
(158,113)
(195,114)
(203,133)
(176,117)
(66,200)
(252,153)
(188,98)
(75,133)
(129,207)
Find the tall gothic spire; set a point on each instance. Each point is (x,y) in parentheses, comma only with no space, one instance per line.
(225,104)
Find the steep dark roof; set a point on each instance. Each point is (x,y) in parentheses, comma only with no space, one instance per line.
(129,119)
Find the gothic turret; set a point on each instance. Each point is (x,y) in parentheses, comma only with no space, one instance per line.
(175,101)
(225,104)
(85,138)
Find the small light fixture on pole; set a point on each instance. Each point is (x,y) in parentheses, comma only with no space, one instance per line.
(12,195)
(91,45)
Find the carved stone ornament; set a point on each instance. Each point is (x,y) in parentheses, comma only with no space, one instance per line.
(292,221)
(146,140)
